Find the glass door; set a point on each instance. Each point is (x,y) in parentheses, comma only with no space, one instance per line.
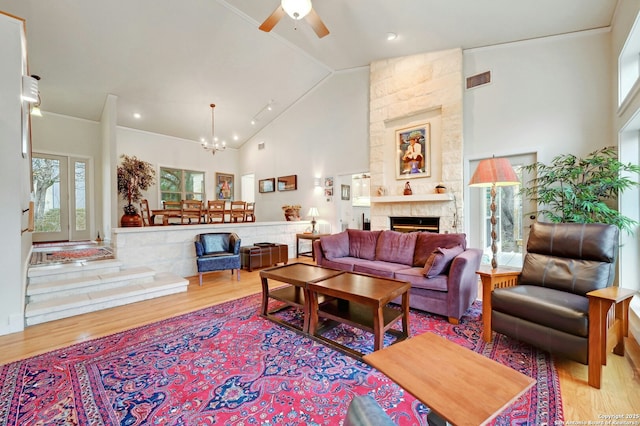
(60,198)
(513,217)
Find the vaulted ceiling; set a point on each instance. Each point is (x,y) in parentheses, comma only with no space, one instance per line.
(168,60)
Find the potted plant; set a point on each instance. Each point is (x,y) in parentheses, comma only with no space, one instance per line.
(572,189)
(134,176)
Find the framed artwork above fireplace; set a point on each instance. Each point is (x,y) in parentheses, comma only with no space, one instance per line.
(413,150)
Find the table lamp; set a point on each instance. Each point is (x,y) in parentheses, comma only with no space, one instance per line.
(494,172)
(313,212)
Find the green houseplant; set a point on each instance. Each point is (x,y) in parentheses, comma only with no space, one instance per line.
(582,190)
(134,176)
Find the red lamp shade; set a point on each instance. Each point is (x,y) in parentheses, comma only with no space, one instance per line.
(496,171)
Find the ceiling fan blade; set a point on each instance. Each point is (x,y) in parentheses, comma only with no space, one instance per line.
(316,23)
(272,20)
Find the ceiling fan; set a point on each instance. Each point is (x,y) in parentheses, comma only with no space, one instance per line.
(296,9)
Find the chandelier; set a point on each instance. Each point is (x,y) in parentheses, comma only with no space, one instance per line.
(212,145)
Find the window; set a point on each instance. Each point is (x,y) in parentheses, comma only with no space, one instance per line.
(513,216)
(629,64)
(177,184)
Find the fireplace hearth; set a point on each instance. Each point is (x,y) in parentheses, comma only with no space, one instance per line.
(415,224)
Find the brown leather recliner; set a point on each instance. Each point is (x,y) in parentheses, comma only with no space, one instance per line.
(549,307)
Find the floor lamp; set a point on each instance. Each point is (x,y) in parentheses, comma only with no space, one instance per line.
(494,172)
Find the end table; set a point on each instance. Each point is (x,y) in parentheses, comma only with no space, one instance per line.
(501,277)
(311,237)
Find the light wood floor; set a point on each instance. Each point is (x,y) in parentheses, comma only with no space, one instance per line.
(620,393)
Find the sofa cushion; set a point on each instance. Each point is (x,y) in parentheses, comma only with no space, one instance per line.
(429,241)
(362,244)
(379,269)
(416,278)
(215,243)
(552,308)
(396,247)
(440,260)
(335,246)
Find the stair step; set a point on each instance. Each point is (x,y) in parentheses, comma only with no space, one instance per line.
(39,274)
(63,307)
(79,285)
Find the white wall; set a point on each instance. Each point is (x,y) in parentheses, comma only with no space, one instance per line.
(14,173)
(167,151)
(324,134)
(70,136)
(548,96)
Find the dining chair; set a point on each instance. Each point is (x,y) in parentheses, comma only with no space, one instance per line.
(191,209)
(237,210)
(216,211)
(171,205)
(145,212)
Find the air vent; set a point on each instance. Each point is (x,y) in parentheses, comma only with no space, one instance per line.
(479,79)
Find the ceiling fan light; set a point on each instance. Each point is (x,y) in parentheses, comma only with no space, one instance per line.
(297,9)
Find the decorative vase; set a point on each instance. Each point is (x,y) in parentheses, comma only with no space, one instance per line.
(130,220)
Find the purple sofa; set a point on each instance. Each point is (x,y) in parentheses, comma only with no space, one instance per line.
(440,267)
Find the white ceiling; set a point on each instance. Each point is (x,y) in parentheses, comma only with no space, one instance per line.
(169,59)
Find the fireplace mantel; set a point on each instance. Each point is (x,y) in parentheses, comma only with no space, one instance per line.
(412,198)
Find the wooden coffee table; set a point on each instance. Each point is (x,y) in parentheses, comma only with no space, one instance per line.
(360,301)
(298,275)
(458,385)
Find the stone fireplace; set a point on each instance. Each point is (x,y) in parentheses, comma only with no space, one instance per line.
(414,91)
(414,224)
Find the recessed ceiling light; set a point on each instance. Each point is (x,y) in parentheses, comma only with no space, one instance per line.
(391,36)
(235,137)
(137,115)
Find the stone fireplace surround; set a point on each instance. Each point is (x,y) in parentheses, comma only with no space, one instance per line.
(414,224)
(404,92)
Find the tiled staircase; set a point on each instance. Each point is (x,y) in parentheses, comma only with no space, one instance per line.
(60,291)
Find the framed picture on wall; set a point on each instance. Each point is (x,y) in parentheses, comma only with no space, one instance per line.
(345,192)
(224,186)
(288,183)
(328,182)
(413,148)
(267,185)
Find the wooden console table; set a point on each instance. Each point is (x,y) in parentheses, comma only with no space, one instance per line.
(458,385)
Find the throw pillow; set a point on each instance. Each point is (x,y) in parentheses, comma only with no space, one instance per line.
(335,246)
(440,260)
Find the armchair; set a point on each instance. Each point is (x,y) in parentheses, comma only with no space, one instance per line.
(217,252)
(564,270)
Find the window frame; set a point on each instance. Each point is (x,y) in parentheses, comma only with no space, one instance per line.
(183,193)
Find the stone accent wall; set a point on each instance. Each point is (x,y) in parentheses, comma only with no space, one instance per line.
(405,92)
(171,248)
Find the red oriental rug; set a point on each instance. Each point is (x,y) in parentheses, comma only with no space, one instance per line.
(227,365)
(71,254)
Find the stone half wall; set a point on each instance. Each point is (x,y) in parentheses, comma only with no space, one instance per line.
(407,92)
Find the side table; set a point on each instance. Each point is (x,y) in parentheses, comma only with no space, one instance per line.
(501,277)
(600,301)
(311,237)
